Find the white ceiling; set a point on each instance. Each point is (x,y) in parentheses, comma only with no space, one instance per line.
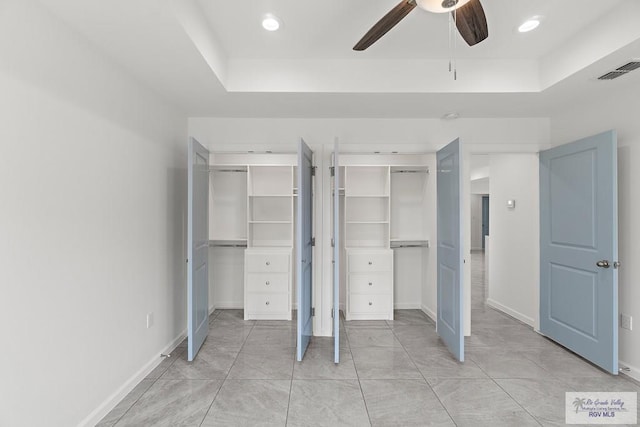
(212,58)
(329,29)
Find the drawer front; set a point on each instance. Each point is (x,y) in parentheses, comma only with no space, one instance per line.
(363,262)
(265,262)
(370,283)
(370,304)
(261,303)
(268,282)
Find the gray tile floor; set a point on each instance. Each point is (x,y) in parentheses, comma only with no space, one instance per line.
(394,373)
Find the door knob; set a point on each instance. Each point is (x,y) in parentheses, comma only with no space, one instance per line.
(603,264)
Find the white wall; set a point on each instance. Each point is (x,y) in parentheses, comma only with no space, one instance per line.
(480,186)
(618,110)
(514,243)
(92,220)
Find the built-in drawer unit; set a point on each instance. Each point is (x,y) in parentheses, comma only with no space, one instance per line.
(369,284)
(267,261)
(269,304)
(267,284)
(370,305)
(361,261)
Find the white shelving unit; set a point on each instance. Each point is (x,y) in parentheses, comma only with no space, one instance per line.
(367,229)
(270,234)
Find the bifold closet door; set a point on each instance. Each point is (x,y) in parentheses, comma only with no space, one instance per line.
(336,254)
(304,246)
(579,248)
(198,248)
(450,247)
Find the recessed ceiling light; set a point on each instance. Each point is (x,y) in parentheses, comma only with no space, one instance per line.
(529,25)
(450,116)
(270,22)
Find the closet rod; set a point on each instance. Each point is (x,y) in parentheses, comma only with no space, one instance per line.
(229,170)
(410,171)
(409,244)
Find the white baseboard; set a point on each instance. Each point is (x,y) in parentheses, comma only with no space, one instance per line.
(513,313)
(634,372)
(407,306)
(105,407)
(432,315)
(229,305)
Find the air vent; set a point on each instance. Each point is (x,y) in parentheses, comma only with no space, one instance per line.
(612,75)
(621,70)
(630,66)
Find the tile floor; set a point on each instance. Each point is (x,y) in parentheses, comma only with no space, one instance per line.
(394,373)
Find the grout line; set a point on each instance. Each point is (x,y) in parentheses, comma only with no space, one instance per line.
(422,375)
(293,367)
(227,376)
(355,367)
(517,402)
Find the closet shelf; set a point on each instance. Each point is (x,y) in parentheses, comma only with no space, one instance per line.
(269,195)
(269,222)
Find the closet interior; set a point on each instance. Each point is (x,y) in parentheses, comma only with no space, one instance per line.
(387,218)
(252,213)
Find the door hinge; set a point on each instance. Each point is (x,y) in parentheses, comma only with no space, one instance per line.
(333,243)
(313,170)
(332,169)
(313,311)
(313,241)
(332,312)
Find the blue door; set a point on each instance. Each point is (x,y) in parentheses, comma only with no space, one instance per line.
(579,248)
(449,198)
(304,246)
(198,247)
(336,255)
(485,219)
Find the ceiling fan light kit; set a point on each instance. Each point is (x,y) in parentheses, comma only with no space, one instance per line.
(440,6)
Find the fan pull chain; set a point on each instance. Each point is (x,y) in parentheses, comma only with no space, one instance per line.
(455,45)
(450,19)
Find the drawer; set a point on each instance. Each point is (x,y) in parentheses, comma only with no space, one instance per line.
(266,262)
(370,261)
(370,283)
(263,303)
(370,304)
(268,282)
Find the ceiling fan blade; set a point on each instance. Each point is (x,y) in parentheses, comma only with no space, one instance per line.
(387,22)
(471,22)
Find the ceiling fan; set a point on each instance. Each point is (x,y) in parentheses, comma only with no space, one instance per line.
(469,18)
